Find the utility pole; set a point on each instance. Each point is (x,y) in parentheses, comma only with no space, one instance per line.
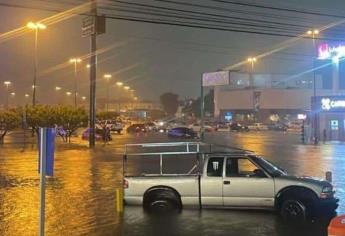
(93,74)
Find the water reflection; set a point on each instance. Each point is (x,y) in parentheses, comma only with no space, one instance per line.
(215,222)
(81,195)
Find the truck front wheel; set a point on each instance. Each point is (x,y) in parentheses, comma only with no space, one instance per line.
(293,211)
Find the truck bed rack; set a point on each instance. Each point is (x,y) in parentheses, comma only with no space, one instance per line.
(170,149)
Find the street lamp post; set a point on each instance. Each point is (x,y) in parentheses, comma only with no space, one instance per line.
(252,61)
(35,26)
(75,61)
(26,97)
(107,77)
(7,84)
(68,94)
(13,94)
(57,89)
(313,33)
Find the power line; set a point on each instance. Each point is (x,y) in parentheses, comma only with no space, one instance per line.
(278,8)
(207,14)
(179,23)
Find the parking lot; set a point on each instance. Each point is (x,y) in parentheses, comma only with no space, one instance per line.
(81,195)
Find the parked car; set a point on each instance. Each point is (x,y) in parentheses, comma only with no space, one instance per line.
(277,127)
(222,126)
(136,128)
(238,127)
(258,127)
(116,127)
(150,126)
(98,134)
(182,132)
(197,128)
(231,179)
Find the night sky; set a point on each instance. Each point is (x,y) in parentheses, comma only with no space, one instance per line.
(150,58)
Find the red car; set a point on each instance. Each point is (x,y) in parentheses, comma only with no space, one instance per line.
(98,134)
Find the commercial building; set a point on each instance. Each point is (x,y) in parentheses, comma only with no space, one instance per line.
(268,98)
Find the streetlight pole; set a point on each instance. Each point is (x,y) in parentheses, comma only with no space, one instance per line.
(75,61)
(7,84)
(35,26)
(107,77)
(57,89)
(313,33)
(93,74)
(252,61)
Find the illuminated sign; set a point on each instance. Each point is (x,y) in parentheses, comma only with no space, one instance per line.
(228,116)
(331,51)
(216,78)
(301,116)
(328,104)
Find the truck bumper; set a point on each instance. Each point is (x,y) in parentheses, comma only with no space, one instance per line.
(328,205)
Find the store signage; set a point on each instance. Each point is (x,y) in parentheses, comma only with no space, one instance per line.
(228,116)
(301,116)
(332,52)
(329,104)
(216,78)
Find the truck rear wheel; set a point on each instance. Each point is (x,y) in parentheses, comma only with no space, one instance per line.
(161,201)
(162,206)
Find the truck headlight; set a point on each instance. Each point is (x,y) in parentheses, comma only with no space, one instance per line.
(327,192)
(327,189)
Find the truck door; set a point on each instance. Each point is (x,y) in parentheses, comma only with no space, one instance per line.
(243,186)
(212,182)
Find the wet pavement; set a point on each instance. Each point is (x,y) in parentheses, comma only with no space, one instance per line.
(81,195)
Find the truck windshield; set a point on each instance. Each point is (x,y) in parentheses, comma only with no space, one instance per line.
(272,169)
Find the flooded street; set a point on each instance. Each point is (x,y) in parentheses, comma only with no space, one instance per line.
(81,195)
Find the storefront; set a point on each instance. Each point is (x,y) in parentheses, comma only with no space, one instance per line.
(330,117)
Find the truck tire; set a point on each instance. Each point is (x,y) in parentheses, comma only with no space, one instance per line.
(162,201)
(293,210)
(297,204)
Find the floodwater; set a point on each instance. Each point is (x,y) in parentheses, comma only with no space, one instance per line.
(81,195)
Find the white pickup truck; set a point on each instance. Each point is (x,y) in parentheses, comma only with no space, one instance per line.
(232,179)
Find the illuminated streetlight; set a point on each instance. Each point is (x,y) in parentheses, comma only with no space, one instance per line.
(88,66)
(35,26)
(57,88)
(68,93)
(127,88)
(313,32)
(83,97)
(107,76)
(119,84)
(75,61)
(32,25)
(27,95)
(252,60)
(13,93)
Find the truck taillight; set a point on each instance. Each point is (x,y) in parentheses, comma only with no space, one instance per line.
(125,184)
